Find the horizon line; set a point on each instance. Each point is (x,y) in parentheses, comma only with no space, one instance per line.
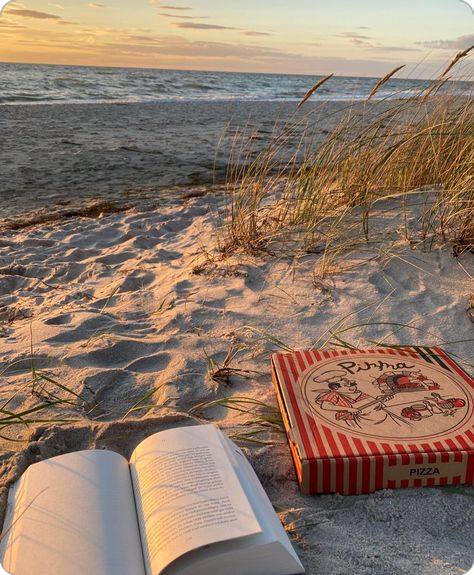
(118,67)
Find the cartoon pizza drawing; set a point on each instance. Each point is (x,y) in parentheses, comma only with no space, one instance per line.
(395,382)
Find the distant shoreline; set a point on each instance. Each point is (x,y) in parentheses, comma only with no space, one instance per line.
(28,84)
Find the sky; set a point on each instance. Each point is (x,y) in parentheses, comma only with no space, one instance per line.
(345,37)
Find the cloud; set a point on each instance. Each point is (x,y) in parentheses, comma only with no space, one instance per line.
(175,46)
(173,51)
(361,43)
(198,26)
(254,33)
(168,6)
(368,43)
(397,49)
(94,5)
(176,7)
(359,40)
(354,36)
(144,48)
(182,17)
(7,25)
(33,14)
(58,6)
(461,43)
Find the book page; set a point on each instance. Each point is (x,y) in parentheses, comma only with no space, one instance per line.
(272,528)
(188,494)
(73,515)
(266,553)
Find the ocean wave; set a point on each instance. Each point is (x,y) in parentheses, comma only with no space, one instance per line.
(25,84)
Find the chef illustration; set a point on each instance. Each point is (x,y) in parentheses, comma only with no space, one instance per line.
(343,397)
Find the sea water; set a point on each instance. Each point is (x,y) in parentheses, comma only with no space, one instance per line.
(43,84)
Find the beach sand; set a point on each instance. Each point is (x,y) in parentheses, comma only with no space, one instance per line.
(134,311)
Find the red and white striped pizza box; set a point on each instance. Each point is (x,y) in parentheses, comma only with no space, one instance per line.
(368,419)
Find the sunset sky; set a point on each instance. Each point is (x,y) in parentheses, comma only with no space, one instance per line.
(348,37)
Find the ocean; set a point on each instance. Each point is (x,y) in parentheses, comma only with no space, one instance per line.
(45,84)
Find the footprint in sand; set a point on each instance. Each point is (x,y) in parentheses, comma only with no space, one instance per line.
(18,365)
(68,272)
(141,242)
(137,281)
(80,254)
(150,364)
(161,255)
(118,355)
(83,331)
(13,284)
(94,327)
(428,299)
(100,382)
(101,238)
(61,319)
(109,391)
(118,258)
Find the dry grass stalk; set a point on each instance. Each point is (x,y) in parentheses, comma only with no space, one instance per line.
(459,56)
(383,81)
(435,87)
(312,90)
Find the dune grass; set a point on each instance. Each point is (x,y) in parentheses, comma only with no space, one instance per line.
(260,420)
(416,152)
(44,389)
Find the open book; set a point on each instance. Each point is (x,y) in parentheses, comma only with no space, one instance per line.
(187,503)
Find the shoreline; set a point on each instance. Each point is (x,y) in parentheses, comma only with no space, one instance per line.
(99,207)
(66,154)
(49,155)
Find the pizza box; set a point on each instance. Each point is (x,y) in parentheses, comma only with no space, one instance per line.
(360,420)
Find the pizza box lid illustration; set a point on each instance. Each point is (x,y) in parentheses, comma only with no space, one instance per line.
(384,418)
